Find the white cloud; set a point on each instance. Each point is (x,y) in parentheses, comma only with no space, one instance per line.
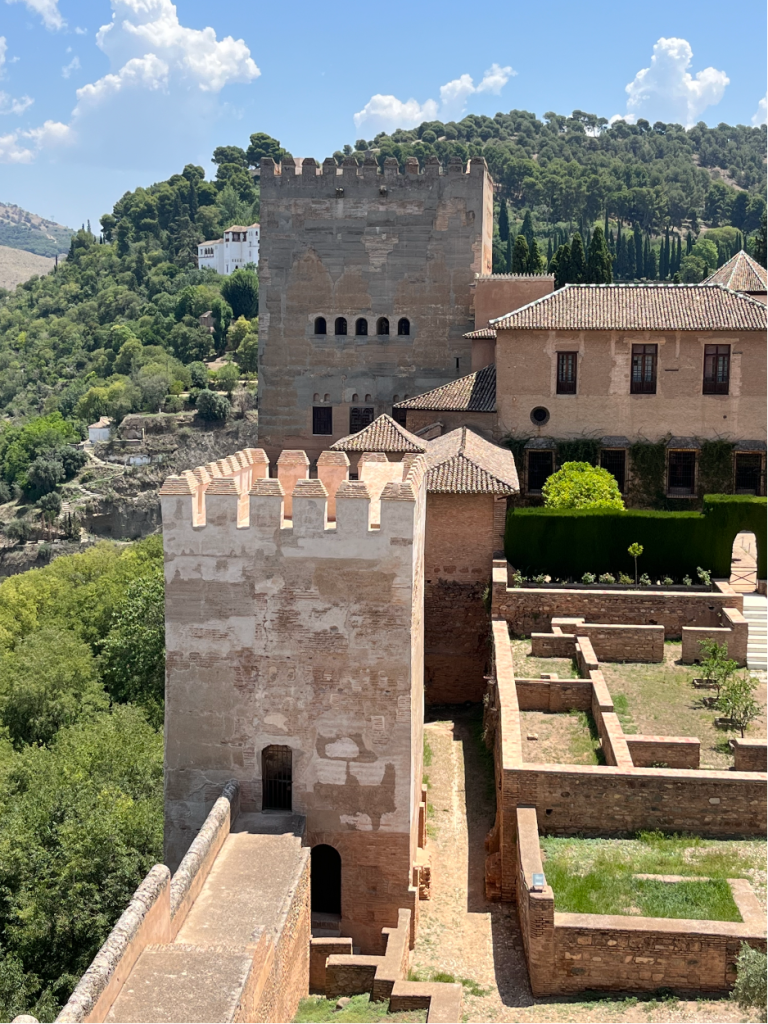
(13,105)
(759,117)
(388,112)
(161,90)
(3,51)
(47,9)
(12,151)
(74,65)
(667,91)
(81,31)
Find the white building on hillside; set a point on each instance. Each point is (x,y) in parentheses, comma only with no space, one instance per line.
(238,248)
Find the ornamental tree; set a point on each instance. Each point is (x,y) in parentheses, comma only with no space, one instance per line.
(581,485)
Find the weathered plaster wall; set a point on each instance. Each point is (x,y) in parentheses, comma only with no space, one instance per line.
(355,242)
(499,294)
(307,635)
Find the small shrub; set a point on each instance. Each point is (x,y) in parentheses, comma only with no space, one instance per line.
(635,550)
(645,580)
(667,581)
(588,577)
(736,700)
(606,577)
(626,580)
(517,579)
(687,581)
(704,575)
(580,485)
(750,988)
(173,404)
(5,492)
(716,666)
(18,531)
(541,578)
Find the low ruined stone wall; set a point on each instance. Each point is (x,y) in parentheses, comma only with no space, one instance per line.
(749,755)
(672,751)
(554,694)
(610,642)
(531,609)
(733,632)
(570,953)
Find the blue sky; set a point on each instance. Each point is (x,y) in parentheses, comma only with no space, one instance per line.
(98,97)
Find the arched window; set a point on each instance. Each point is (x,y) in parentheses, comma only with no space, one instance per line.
(361,327)
(320,327)
(382,325)
(277,778)
(341,325)
(325,880)
(403,326)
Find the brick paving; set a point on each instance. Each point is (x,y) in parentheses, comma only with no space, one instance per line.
(462,934)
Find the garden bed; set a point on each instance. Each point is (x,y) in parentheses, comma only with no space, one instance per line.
(676,588)
(559,738)
(599,876)
(527,667)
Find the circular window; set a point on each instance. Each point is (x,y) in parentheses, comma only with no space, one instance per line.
(539,415)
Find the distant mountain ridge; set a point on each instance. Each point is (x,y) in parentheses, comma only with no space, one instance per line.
(20,229)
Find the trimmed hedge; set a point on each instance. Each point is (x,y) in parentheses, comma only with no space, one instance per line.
(570,543)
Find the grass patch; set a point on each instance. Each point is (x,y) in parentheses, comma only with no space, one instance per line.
(585,744)
(595,876)
(427,753)
(621,707)
(469,984)
(527,667)
(359,1009)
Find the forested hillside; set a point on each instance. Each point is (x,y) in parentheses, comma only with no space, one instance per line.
(20,229)
(81,693)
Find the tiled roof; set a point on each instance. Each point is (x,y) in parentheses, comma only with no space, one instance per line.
(639,307)
(463,463)
(482,332)
(741,274)
(690,443)
(474,393)
(749,446)
(615,441)
(383,435)
(546,443)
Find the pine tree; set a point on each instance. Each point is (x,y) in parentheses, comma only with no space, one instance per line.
(527,228)
(639,270)
(759,246)
(598,260)
(535,260)
(577,264)
(520,256)
(503,221)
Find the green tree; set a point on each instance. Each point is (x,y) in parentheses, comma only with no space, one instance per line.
(526,229)
(716,667)
(520,256)
(133,652)
(241,291)
(212,406)
(635,550)
(535,259)
(229,155)
(692,269)
(706,250)
(599,264)
(577,264)
(263,145)
(227,378)
(49,681)
(750,988)
(581,485)
(736,700)
(503,221)
(44,474)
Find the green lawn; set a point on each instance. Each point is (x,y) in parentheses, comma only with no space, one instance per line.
(596,876)
(359,1009)
(527,667)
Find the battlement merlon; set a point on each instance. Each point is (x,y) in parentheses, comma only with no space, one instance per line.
(220,517)
(332,180)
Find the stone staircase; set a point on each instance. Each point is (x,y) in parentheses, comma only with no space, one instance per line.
(756,612)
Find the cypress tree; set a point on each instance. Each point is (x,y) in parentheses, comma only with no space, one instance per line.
(527,228)
(651,267)
(647,258)
(193,200)
(759,244)
(535,261)
(561,262)
(629,259)
(598,260)
(520,256)
(508,257)
(664,256)
(549,250)
(688,243)
(619,264)
(639,270)
(503,221)
(577,264)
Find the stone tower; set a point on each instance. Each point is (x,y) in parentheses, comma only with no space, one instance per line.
(295,664)
(365,290)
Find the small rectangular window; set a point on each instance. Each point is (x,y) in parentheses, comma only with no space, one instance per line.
(749,473)
(399,415)
(540,466)
(566,373)
(322,419)
(615,461)
(644,369)
(682,473)
(359,417)
(717,369)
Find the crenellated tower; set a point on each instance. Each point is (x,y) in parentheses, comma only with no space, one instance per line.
(294,664)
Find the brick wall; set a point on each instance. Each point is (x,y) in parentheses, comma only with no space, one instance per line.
(673,751)
(554,694)
(734,633)
(749,755)
(529,610)
(458,554)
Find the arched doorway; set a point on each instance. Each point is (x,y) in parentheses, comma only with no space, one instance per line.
(326,880)
(744,563)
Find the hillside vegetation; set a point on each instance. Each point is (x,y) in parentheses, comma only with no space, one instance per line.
(21,229)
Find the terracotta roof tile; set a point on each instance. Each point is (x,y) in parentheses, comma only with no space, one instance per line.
(461,462)
(741,274)
(474,393)
(482,332)
(639,307)
(383,435)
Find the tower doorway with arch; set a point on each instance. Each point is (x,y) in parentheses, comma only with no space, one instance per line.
(325,880)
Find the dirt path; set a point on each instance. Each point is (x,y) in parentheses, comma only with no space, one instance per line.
(462,934)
